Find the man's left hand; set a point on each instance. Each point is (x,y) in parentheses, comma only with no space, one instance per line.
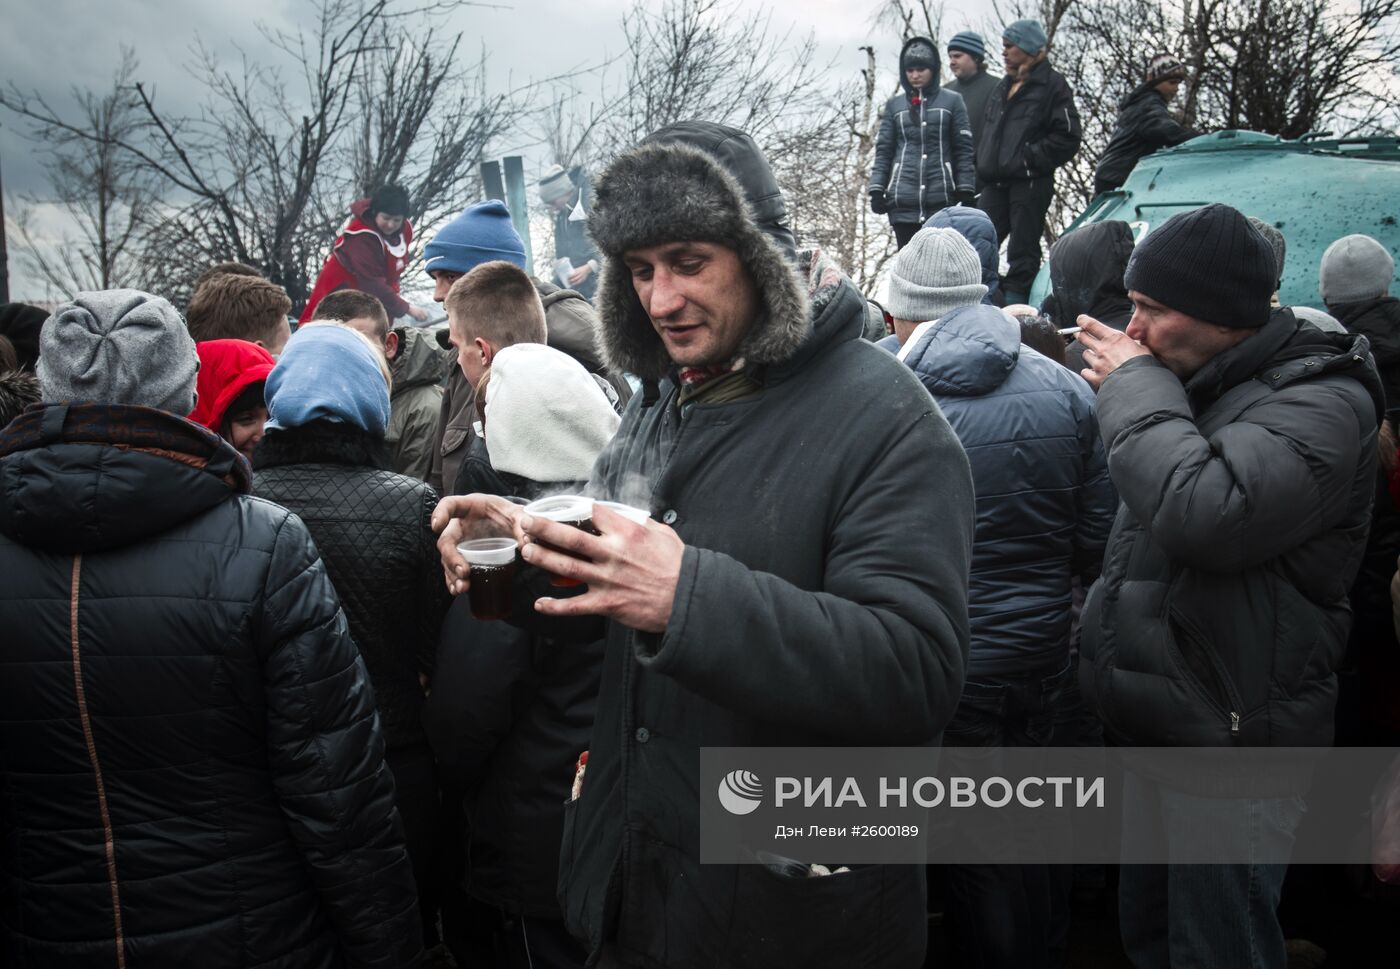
(580,274)
(1105,349)
(632,575)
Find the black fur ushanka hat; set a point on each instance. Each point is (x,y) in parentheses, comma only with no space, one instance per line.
(666,190)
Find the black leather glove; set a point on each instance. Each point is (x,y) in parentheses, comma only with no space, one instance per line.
(965,198)
(879,204)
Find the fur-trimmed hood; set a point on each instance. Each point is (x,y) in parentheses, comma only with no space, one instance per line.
(669,190)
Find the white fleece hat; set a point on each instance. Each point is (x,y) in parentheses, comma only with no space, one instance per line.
(546,417)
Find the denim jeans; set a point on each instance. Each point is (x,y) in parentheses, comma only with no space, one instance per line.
(999,915)
(1178,916)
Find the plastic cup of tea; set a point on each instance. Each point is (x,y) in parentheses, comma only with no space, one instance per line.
(630,512)
(492,562)
(575,510)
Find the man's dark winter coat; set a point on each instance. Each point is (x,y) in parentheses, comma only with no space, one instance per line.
(374,530)
(1044,499)
(804,615)
(416,400)
(1086,277)
(923,152)
(1033,133)
(509,715)
(975,94)
(1144,125)
(1378,320)
(1222,614)
(192,768)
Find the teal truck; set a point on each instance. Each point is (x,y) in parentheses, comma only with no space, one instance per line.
(1315,190)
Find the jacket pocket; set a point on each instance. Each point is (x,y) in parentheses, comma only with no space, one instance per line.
(1203,670)
(452,439)
(781,920)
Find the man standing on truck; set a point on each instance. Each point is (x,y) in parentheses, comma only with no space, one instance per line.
(1144,124)
(1031,128)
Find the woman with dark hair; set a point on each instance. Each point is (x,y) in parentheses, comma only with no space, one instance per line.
(230,401)
(324,458)
(370,254)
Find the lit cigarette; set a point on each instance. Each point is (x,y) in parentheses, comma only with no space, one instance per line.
(1069,330)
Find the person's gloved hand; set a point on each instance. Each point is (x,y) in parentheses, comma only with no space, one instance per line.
(879,204)
(965,198)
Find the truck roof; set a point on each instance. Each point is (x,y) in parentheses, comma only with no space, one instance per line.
(1315,190)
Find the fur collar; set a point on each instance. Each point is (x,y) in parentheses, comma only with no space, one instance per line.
(321,442)
(659,193)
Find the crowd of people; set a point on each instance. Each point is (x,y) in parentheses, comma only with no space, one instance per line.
(252,717)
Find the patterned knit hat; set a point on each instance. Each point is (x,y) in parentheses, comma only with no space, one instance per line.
(1164,67)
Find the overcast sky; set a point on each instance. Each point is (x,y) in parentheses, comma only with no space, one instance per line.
(55,45)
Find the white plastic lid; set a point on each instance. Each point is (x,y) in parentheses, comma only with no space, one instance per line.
(488,551)
(630,512)
(562,508)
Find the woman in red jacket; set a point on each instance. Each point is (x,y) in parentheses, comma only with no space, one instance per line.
(370,254)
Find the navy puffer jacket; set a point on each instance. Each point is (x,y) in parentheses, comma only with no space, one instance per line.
(191,769)
(1044,500)
(976,227)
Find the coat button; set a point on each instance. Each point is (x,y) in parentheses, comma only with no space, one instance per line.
(643,735)
(924,157)
(921,188)
(670,516)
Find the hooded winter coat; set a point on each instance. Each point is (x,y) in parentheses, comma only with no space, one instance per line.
(1033,133)
(923,152)
(189,734)
(976,227)
(803,614)
(1221,614)
(1044,499)
(363,258)
(1378,320)
(1086,277)
(415,401)
(1144,125)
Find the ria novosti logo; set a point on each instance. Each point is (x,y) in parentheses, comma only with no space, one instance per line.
(741,792)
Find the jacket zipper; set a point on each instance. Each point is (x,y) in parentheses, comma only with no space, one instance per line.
(109,843)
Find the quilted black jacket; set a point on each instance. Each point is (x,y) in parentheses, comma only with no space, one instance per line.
(191,771)
(374,530)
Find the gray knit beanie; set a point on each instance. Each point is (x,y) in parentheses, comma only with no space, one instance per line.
(555,185)
(937,272)
(118,346)
(1355,268)
(1275,240)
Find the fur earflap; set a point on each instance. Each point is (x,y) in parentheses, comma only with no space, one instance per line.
(659,193)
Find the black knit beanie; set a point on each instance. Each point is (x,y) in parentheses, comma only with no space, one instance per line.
(1209,263)
(389,200)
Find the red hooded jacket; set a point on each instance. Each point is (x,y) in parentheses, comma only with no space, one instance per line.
(226,369)
(364,259)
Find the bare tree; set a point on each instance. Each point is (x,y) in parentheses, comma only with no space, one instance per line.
(372,91)
(103,199)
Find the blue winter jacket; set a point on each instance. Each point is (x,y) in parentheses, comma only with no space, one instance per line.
(976,227)
(1044,499)
(923,152)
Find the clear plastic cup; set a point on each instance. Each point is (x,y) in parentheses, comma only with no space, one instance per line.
(630,512)
(575,510)
(492,562)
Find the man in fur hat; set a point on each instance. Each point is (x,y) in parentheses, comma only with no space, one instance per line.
(775,596)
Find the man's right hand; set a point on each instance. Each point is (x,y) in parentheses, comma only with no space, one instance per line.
(879,204)
(457,517)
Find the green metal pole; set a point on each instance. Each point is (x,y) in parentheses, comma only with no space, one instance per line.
(519,205)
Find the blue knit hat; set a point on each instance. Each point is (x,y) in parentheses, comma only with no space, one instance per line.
(482,233)
(327,372)
(1027,35)
(969,43)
